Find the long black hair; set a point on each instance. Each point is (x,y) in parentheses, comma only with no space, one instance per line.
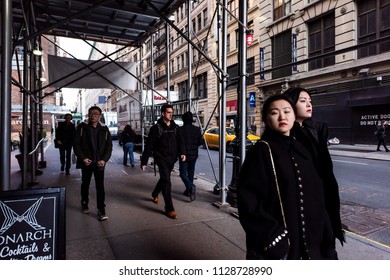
(293,93)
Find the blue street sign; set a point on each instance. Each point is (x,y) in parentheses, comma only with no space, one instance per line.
(102,100)
(252,99)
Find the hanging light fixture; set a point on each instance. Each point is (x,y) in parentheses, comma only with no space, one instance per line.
(37,51)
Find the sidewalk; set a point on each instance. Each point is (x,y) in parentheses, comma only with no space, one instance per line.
(359,151)
(138,230)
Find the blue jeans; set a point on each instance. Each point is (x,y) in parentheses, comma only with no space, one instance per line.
(187,172)
(128,149)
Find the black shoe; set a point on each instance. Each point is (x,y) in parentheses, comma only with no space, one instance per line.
(67,172)
(387,150)
(62,167)
(132,165)
(193,193)
(377,150)
(186,193)
(101,216)
(84,208)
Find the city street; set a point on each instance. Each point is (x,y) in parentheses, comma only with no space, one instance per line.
(363,185)
(361,181)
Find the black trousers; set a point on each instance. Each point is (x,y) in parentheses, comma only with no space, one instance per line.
(382,141)
(86,175)
(65,156)
(164,185)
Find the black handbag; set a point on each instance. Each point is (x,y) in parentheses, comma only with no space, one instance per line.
(56,145)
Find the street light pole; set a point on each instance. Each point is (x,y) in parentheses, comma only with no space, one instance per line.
(239,143)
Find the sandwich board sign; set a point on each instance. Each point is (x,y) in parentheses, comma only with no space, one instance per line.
(32,224)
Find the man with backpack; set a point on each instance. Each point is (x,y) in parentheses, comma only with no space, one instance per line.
(166,143)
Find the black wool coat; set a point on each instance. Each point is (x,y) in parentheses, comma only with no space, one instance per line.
(314,136)
(303,229)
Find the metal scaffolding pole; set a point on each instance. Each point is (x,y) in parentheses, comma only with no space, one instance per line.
(189,53)
(222,49)
(239,142)
(5,102)
(142,121)
(168,69)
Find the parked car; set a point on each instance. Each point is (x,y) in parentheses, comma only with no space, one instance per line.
(211,136)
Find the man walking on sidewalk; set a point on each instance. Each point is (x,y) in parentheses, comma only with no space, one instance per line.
(166,143)
(192,140)
(381,134)
(93,148)
(64,137)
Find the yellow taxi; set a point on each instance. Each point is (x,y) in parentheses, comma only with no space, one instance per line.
(211,136)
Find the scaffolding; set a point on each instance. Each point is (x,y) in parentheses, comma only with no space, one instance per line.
(27,25)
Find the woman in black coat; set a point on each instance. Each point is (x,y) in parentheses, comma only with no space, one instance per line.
(314,136)
(281,200)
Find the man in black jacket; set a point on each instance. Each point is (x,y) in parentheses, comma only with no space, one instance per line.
(93,148)
(381,134)
(64,138)
(166,143)
(192,140)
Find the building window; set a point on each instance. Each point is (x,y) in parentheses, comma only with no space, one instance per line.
(281,54)
(281,8)
(194,54)
(321,41)
(182,60)
(199,17)
(237,38)
(228,43)
(374,23)
(205,46)
(200,86)
(17,58)
(183,90)
(205,17)
(250,69)
(193,25)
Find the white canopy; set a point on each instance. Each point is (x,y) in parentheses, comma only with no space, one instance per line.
(89,77)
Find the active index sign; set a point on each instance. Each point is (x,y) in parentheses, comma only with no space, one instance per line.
(32,224)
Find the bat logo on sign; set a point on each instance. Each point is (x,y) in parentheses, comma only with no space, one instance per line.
(10,217)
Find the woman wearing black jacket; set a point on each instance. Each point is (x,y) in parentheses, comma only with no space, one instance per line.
(281,199)
(314,136)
